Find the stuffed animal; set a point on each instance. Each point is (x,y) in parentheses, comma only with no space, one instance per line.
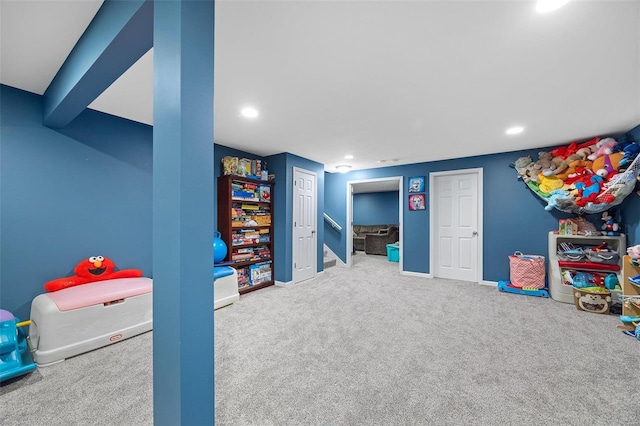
(558,166)
(630,151)
(95,268)
(560,199)
(603,147)
(609,227)
(607,165)
(521,165)
(573,168)
(549,183)
(545,161)
(574,147)
(579,174)
(588,190)
(634,252)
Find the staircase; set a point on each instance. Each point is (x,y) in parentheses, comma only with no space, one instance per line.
(328,261)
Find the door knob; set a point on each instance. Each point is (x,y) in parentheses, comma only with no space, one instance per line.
(474,233)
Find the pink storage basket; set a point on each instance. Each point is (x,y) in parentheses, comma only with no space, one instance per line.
(527,271)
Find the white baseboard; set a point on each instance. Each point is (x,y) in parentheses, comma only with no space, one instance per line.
(416,274)
(489,283)
(283,284)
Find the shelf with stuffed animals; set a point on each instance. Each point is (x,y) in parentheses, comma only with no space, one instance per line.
(584,178)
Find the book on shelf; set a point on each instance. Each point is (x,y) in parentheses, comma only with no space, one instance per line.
(260,273)
(250,207)
(265,193)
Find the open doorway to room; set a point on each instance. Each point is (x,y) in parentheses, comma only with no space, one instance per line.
(387,195)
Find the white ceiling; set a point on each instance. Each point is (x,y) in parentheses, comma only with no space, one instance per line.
(408,80)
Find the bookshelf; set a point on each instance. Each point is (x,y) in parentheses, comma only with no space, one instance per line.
(246,226)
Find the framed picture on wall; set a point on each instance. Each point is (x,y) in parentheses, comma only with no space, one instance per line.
(416,184)
(417,202)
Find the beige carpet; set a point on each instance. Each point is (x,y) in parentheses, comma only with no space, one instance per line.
(368,346)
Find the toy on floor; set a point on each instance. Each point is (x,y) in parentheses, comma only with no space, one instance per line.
(95,268)
(225,278)
(15,358)
(633,321)
(506,286)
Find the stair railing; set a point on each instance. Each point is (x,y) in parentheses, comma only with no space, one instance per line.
(332,222)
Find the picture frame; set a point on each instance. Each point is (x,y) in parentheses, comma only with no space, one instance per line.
(416,184)
(417,202)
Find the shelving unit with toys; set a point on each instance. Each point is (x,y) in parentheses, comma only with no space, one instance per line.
(562,290)
(630,291)
(246,226)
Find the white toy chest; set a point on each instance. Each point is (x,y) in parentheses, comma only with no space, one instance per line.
(225,286)
(79,319)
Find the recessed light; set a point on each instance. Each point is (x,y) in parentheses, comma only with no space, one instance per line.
(342,168)
(544,6)
(514,130)
(249,112)
(348,157)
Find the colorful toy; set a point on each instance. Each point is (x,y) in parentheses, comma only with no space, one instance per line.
(95,268)
(219,248)
(560,198)
(634,252)
(630,151)
(609,227)
(15,358)
(631,321)
(603,147)
(506,286)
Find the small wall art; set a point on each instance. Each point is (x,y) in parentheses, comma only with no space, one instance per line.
(416,184)
(417,202)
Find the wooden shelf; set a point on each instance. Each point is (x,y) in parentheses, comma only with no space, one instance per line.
(249,289)
(226,203)
(628,289)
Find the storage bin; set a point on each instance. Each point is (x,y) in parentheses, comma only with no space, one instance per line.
(597,301)
(393,253)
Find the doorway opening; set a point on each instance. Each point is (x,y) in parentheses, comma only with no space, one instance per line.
(377,185)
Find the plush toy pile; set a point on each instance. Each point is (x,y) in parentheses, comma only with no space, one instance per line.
(584,178)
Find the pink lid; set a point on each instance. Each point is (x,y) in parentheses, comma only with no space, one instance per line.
(84,295)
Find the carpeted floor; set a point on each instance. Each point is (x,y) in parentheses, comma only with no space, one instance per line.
(368,346)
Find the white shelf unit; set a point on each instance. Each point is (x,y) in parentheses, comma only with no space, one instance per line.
(562,292)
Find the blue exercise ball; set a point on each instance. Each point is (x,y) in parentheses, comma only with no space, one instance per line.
(219,248)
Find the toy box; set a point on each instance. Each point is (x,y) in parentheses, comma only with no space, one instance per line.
(79,319)
(590,299)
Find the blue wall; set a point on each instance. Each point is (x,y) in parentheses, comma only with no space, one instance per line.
(514,218)
(282,166)
(376,208)
(69,194)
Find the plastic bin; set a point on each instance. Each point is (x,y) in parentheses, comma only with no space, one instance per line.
(393,252)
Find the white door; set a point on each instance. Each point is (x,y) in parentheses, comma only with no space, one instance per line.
(455,212)
(304,225)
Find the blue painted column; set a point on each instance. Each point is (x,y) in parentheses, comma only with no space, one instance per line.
(119,34)
(183,213)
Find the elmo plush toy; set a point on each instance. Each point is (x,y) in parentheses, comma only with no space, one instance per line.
(95,268)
